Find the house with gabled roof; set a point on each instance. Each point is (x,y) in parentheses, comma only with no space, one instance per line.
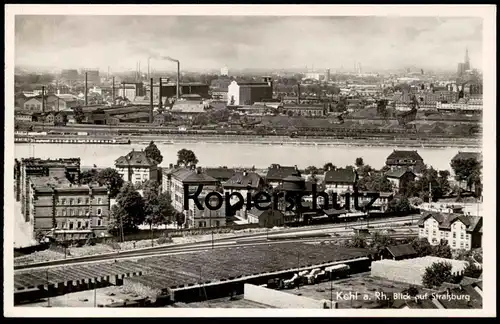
(340,180)
(459,230)
(276,173)
(405,159)
(222,174)
(136,167)
(399,252)
(400,178)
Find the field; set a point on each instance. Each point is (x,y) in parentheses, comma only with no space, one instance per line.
(227,263)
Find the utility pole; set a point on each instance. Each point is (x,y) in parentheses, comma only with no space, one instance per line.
(86,100)
(48,293)
(298,267)
(331,290)
(95,293)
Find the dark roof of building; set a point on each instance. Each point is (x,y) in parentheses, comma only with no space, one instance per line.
(398,173)
(340,175)
(243,179)
(135,158)
(258,213)
(253,84)
(401,250)
(472,223)
(410,155)
(466,156)
(277,172)
(220,173)
(333,212)
(193,176)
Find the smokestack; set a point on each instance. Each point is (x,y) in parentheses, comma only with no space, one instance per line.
(107,77)
(124,96)
(149,74)
(86,102)
(178,78)
(113,91)
(139,70)
(151,100)
(298,93)
(160,95)
(43,99)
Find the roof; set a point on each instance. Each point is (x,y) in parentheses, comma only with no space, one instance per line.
(188,107)
(333,212)
(277,172)
(192,176)
(472,223)
(220,173)
(244,180)
(410,155)
(49,184)
(253,84)
(467,155)
(401,250)
(340,175)
(135,158)
(398,173)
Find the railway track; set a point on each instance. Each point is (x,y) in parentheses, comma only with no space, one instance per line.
(200,246)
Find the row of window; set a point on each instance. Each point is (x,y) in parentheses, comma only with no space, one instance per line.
(76,225)
(462,245)
(204,224)
(78,201)
(462,235)
(76,212)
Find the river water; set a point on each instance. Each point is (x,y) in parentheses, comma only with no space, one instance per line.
(237,154)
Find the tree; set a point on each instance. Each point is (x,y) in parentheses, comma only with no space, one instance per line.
(153,153)
(422,247)
(88,176)
(472,270)
(186,158)
(375,182)
(399,205)
(158,207)
(311,170)
(179,218)
(442,250)
(365,171)
(357,241)
(132,205)
(111,178)
(359,162)
(436,274)
(412,291)
(381,241)
(467,170)
(78,115)
(329,166)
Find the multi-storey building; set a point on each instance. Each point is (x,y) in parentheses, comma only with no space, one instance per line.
(136,167)
(276,173)
(66,211)
(405,159)
(244,183)
(460,231)
(34,167)
(174,181)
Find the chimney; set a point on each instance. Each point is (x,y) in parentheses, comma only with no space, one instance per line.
(113,91)
(178,78)
(124,96)
(298,93)
(171,166)
(160,95)
(86,102)
(245,173)
(198,170)
(151,100)
(43,99)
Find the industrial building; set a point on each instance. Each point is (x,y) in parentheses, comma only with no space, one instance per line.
(169,89)
(247,93)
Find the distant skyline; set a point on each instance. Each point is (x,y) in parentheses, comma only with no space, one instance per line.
(204,43)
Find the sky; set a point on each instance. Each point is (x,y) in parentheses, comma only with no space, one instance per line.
(208,42)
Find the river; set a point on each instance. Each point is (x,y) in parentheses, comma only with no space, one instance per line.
(237,154)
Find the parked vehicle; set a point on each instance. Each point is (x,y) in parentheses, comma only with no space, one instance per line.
(338,271)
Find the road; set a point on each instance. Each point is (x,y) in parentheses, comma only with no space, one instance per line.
(330,229)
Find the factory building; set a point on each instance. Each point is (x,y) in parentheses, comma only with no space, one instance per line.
(248,93)
(169,90)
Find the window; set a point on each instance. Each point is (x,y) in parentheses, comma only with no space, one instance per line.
(462,245)
(79,201)
(462,235)
(87,201)
(71,202)
(79,224)
(63,201)
(467,245)
(99,211)
(87,224)
(217,223)
(99,201)
(70,225)
(468,236)
(434,232)
(57,212)
(454,243)
(71,212)
(454,235)
(426,231)
(64,212)
(98,222)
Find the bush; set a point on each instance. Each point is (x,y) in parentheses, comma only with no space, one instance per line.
(164,240)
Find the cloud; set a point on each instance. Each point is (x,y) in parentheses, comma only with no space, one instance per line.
(209,42)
